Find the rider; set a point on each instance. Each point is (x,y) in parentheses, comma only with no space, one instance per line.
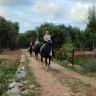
(36,43)
(47,39)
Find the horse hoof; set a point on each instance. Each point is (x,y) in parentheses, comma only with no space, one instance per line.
(47,68)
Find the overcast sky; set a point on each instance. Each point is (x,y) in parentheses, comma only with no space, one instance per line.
(32,13)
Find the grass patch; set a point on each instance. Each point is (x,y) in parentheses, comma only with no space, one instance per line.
(76,85)
(7,71)
(85,73)
(30,94)
(65,64)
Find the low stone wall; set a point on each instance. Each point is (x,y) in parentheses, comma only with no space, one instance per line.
(15,85)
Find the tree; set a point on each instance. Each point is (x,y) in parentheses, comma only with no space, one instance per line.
(91,26)
(8,33)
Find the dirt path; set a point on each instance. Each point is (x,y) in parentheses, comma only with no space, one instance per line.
(50,86)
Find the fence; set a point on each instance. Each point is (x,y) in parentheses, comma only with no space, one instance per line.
(77,53)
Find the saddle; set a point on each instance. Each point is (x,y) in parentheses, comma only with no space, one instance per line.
(45,51)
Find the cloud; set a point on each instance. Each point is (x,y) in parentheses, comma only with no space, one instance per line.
(8,14)
(86,1)
(79,11)
(15,2)
(49,10)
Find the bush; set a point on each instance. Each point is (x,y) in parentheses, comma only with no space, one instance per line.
(68,46)
(91,67)
(78,61)
(57,55)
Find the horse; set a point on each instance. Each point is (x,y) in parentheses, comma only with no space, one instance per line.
(36,49)
(47,54)
(30,50)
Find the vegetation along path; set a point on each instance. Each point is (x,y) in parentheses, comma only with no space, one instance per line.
(59,81)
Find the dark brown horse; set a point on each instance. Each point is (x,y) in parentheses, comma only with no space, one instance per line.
(36,49)
(47,54)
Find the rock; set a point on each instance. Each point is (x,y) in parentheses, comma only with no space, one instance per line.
(20,70)
(22,61)
(15,84)
(25,91)
(32,86)
(14,92)
(22,56)
(65,61)
(25,82)
(11,80)
(12,85)
(69,64)
(19,76)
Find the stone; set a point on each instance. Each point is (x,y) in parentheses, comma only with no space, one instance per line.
(14,91)
(69,64)
(25,91)
(15,84)
(32,86)
(12,85)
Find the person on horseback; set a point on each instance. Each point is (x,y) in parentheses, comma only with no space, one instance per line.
(47,39)
(36,43)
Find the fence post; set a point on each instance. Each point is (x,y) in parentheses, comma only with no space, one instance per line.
(73,56)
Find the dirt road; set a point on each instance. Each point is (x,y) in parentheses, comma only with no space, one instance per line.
(58,81)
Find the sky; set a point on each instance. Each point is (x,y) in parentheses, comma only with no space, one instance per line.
(33,13)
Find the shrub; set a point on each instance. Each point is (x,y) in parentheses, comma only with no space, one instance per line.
(57,55)
(91,67)
(68,46)
(78,61)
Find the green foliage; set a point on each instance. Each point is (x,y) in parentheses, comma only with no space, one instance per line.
(78,61)
(8,33)
(57,55)
(91,26)
(91,67)
(68,46)
(7,71)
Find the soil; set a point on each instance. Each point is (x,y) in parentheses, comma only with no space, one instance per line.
(60,81)
(57,80)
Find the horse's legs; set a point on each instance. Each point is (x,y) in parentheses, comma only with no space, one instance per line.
(41,59)
(36,56)
(49,61)
(46,64)
(30,54)
(46,61)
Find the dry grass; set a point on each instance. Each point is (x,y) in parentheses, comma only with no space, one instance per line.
(9,54)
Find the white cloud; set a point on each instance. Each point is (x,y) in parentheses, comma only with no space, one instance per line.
(8,14)
(78,13)
(86,1)
(27,25)
(15,2)
(50,10)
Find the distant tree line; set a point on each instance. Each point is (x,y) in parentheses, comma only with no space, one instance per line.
(8,33)
(61,35)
